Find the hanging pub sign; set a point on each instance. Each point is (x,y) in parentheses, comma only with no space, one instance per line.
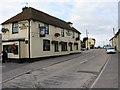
(4,30)
(42,31)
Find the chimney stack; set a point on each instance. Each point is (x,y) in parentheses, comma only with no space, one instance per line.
(70,24)
(24,8)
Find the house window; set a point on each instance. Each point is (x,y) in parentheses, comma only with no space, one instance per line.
(56,46)
(64,46)
(11,49)
(15,27)
(42,31)
(46,45)
(62,32)
(47,28)
(73,34)
(89,43)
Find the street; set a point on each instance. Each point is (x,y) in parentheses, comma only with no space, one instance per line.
(82,70)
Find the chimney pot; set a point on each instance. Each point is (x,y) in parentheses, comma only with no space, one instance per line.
(24,8)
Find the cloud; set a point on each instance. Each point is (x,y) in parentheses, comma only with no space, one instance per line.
(98,18)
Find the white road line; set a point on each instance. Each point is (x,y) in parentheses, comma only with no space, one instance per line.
(83,61)
(86,60)
(100,73)
(2,66)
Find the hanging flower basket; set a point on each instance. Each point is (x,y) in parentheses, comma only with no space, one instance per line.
(61,42)
(70,43)
(53,41)
(57,34)
(4,30)
(75,43)
(12,47)
(77,38)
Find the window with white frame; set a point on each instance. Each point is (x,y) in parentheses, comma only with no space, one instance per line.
(73,34)
(47,28)
(46,45)
(15,27)
(62,32)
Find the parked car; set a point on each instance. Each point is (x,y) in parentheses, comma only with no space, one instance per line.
(83,49)
(110,50)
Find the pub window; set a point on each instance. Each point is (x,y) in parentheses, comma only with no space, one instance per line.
(11,48)
(46,45)
(64,46)
(56,46)
(89,43)
(73,34)
(15,27)
(62,32)
(42,31)
(47,28)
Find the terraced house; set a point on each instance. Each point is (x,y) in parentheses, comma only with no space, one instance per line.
(34,34)
(115,41)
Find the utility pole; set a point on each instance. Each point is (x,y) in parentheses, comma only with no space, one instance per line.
(113,31)
(87,38)
(114,39)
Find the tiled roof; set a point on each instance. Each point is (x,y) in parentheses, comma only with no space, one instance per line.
(115,35)
(31,13)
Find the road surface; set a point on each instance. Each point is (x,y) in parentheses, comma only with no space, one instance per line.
(72,71)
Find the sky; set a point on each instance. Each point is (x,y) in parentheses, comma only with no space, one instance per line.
(98,17)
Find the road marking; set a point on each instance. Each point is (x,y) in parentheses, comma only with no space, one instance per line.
(2,66)
(83,61)
(86,60)
(100,72)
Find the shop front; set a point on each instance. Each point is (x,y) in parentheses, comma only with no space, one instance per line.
(13,48)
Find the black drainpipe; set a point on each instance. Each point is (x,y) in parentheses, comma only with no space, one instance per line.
(29,39)
(19,51)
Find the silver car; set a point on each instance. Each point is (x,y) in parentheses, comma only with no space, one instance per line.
(110,50)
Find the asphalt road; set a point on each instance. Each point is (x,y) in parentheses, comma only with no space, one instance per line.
(73,71)
(108,78)
(10,70)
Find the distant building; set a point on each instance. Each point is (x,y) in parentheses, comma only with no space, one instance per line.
(90,43)
(35,34)
(115,41)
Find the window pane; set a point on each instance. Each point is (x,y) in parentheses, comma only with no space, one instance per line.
(62,32)
(46,45)
(15,28)
(73,35)
(47,28)
(56,46)
(11,49)
(64,46)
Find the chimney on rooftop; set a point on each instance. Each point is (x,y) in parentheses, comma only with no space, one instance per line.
(70,24)
(24,8)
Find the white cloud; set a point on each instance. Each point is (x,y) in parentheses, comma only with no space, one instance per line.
(98,18)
